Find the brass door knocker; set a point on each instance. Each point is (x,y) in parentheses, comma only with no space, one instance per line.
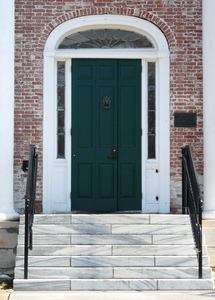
(106,102)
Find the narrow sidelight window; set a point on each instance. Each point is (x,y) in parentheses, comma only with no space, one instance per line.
(60,109)
(151,111)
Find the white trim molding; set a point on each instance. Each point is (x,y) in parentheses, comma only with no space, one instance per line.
(7,211)
(153,33)
(57,172)
(209,107)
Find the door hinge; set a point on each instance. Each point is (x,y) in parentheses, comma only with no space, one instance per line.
(71,68)
(141,132)
(71,131)
(141,195)
(70,195)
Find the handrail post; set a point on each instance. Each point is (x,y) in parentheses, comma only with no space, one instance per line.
(26,240)
(200,237)
(192,201)
(184,183)
(30,205)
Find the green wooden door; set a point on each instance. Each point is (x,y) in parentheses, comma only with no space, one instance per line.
(106,135)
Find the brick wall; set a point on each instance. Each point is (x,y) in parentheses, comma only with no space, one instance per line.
(180,21)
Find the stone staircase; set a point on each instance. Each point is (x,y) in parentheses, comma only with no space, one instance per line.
(209,233)
(111,252)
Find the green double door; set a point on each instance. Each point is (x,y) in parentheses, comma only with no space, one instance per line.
(106,135)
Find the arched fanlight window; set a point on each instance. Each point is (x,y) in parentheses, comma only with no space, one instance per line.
(105,39)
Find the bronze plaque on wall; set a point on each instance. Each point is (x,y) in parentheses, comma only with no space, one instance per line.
(184,119)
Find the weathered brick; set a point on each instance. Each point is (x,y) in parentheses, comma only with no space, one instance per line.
(180,21)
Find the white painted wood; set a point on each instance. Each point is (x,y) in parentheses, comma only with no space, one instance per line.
(7,211)
(48,131)
(152,190)
(138,25)
(56,197)
(56,172)
(209,108)
(163,135)
(107,53)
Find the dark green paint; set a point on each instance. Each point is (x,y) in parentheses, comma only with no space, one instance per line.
(99,183)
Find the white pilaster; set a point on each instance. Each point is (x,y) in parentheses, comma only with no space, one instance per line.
(164,135)
(209,107)
(7,211)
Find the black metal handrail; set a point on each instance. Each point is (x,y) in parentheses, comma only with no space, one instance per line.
(30,205)
(192,200)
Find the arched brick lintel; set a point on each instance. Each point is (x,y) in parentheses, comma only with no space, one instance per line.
(143,14)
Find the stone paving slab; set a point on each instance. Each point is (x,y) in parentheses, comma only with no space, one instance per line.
(156,295)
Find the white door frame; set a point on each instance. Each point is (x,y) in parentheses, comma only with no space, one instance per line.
(57,172)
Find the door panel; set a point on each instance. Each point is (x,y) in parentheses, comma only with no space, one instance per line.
(127,181)
(84,173)
(129,135)
(127,119)
(106,119)
(106,137)
(106,181)
(106,116)
(84,111)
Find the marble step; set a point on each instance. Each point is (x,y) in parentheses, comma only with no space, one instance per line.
(110,250)
(137,261)
(47,239)
(111,261)
(113,239)
(112,284)
(112,273)
(44,261)
(42,284)
(142,284)
(108,229)
(109,218)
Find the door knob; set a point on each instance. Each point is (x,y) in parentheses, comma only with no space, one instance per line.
(113,154)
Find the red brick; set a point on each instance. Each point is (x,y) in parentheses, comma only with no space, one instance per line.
(181,23)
